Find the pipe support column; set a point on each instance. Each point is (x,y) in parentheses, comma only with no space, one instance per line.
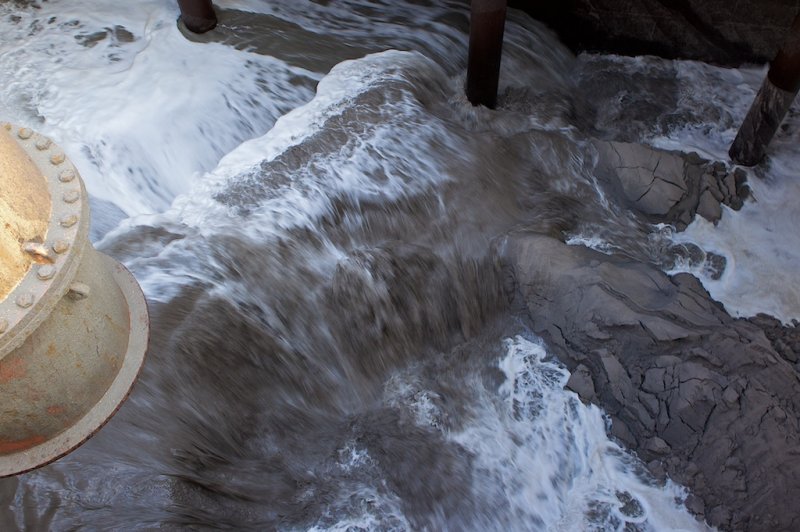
(487,24)
(198,15)
(771,103)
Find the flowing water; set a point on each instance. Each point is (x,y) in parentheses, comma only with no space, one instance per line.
(312,212)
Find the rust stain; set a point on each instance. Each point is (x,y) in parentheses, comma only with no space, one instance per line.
(51,350)
(7,446)
(12,370)
(55,410)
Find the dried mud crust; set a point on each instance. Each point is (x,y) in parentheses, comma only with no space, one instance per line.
(711,401)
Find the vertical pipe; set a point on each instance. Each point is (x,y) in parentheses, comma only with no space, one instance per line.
(198,15)
(771,103)
(487,23)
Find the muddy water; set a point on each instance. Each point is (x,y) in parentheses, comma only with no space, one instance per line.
(313,210)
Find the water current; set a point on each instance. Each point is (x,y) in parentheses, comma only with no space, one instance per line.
(312,210)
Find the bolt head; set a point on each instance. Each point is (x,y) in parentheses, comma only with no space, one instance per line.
(66,175)
(24,133)
(42,143)
(24,300)
(46,272)
(71,196)
(60,246)
(69,220)
(57,158)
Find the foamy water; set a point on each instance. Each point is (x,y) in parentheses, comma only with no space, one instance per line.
(760,242)
(268,186)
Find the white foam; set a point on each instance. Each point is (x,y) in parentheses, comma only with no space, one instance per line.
(761,242)
(140,119)
(148,123)
(545,458)
(348,170)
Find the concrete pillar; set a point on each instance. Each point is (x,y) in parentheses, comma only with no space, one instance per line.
(198,15)
(487,24)
(771,103)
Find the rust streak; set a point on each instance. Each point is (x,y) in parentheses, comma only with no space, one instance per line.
(12,370)
(7,446)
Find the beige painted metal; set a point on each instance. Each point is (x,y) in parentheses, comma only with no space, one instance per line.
(24,210)
(73,322)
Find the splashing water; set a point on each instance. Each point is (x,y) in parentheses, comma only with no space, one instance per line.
(698,108)
(333,345)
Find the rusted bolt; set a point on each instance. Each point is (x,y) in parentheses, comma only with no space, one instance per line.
(60,246)
(42,143)
(46,272)
(68,221)
(24,300)
(78,291)
(66,175)
(71,196)
(57,158)
(37,250)
(24,133)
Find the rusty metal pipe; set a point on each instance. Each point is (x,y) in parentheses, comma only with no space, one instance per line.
(198,15)
(487,24)
(73,322)
(771,104)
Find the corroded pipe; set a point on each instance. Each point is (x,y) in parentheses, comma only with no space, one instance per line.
(73,322)
(198,15)
(487,24)
(771,104)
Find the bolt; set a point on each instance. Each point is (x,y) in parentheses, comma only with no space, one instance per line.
(71,196)
(42,143)
(57,158)
(46,272)
(78,291)
(37,250)
(3,325)
(25,300)
(66,175)
(69,221)
(24,133)
(60,246)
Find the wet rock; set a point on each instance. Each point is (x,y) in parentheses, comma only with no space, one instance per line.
(695,504)
(657,446)
(715,31)
(690,389)
(708,207)
(785,339)
(669,187)
(653,180)
(688,255)
(715,265)
(580,382)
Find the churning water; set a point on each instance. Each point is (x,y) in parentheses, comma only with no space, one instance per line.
(311,211)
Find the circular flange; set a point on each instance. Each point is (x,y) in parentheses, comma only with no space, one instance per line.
(56,260)
(71,438)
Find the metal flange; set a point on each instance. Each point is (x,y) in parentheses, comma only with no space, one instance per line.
(74,328)
(56,259)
